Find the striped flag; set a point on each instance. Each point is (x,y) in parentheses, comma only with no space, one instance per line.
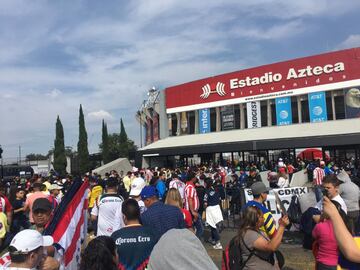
(68,226)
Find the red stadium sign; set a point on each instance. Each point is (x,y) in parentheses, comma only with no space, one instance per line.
(334,70)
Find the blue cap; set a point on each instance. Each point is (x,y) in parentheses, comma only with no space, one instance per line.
(148,192)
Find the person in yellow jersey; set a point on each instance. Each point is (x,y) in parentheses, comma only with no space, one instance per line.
(127,181)
(260,192)
(95,191)
(4,227)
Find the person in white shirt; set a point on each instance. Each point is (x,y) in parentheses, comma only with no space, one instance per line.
(331,184)
(107,210)
(283,180)
(179,185)
(26,251)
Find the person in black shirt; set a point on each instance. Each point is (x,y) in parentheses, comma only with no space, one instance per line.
(253,177)
(19,218)
(134,242)
(213,212)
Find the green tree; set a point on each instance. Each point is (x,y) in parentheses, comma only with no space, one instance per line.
(83,152)
(105,144)
(33,156)
(119,144)
(123,141)
(123,136)
(59,149)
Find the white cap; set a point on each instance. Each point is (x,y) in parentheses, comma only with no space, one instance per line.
(29,240)
(137,185)
(54,186)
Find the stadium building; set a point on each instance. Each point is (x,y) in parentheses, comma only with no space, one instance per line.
(257,114)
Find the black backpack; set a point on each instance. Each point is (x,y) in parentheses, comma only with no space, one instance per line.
(294,210)
(232,257)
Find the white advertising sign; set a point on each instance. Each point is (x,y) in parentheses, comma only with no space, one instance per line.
(285,195)
(253,114)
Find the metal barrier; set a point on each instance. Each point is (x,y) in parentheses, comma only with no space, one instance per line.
(231,206)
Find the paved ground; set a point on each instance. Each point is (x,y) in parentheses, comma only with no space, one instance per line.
(296,257)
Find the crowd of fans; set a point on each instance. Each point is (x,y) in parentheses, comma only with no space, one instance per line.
(139,219)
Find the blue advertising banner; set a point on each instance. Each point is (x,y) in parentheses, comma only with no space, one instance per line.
(283,111)
(317,107)
(204,120)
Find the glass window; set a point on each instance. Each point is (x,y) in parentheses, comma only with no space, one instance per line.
(237,116)
(245,116)
(173,125)
(294,110)
(264,116)
(305,116)
(212,119)
(329,106)
(273,112)
(339,105)
(191,121)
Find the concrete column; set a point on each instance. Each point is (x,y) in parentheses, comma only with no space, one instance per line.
(333,104)
(163,117)
(196,121)
(298,99)
(178,126)
(269,115)
(218,119)
(242,116)
(170,124)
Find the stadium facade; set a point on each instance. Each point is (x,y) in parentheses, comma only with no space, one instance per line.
(257,114)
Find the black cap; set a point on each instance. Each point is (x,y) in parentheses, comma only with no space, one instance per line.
(41,204)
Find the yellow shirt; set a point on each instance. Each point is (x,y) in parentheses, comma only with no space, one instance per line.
(127,183)
(3,225)
(95,192)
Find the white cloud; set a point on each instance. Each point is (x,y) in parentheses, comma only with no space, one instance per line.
(350,42)
(54,93)
(99,115)
(274,32)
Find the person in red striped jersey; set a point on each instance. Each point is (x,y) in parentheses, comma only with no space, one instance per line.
(193,203)
(319,173)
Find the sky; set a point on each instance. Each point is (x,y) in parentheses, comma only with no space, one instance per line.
(106,55)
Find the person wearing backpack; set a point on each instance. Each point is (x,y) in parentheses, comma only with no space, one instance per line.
(252,248)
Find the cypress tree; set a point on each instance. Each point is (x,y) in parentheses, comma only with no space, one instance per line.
(123,135)
(83,152)
(123,141)
(59,149)
(105,143)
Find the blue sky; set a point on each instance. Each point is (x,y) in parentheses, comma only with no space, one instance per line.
(105,55)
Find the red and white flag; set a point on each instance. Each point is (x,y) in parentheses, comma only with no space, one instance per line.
(69,224)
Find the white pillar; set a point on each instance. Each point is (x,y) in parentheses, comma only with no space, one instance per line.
(298,99)
(269,115)
(242,116)
(178,126)
(218,119)
(196,121)
(333,104)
